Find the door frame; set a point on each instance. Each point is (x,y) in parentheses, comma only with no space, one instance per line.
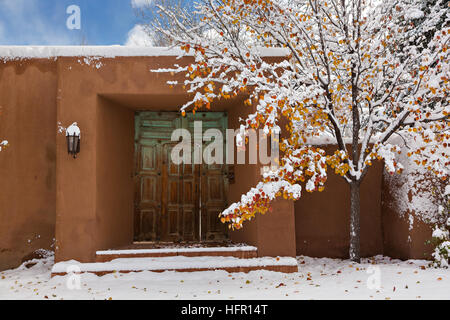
(200,234)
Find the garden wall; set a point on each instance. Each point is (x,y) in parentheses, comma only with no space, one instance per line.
(27,168)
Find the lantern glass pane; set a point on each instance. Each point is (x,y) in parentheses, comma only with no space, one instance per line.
(77,150)
(75,144)
(69,144)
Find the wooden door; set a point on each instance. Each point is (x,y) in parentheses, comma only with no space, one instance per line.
(176,202)
(213,181)
(157,187)
(179,214)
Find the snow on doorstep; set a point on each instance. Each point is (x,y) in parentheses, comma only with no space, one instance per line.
(177,250)
(171,263)
(47,52)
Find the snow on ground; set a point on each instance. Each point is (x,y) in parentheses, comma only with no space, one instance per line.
(318,279)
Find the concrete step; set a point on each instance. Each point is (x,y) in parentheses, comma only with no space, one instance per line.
(242,252)
(179,264)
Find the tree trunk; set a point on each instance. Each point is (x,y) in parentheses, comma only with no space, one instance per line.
(354,222)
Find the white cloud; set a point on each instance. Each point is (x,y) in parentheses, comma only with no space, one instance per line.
(140,3)
(26,24)
(139,37)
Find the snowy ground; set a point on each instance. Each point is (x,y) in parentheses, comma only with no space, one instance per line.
(377,278)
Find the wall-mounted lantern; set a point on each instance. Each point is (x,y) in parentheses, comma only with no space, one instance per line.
(73,136)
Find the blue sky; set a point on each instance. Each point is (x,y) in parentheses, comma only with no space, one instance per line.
(43,22)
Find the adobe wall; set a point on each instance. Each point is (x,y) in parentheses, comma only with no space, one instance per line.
(86,203)
(28,166)
(95,192)
(115,175)
(273,233)
(87,215)
(277,228)
(410,208)
(322,219)
(246,178)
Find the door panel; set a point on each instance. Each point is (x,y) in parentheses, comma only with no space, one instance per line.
(176,202)
(214,183)
(147,203)
(190,201)
(171,199)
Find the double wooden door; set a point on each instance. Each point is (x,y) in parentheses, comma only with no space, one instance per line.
(175,203)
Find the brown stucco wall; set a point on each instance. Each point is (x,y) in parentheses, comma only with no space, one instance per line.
(274,232)
(87,203)
(115,160)
(322,219)
(28,166)
(246,177)
(401,239)
(94,211)
(277,229)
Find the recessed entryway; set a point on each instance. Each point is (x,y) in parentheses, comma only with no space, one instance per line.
(176,203)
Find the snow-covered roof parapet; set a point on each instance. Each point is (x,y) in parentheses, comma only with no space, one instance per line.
(8,53)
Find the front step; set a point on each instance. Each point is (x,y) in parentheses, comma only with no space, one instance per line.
(179,264)
(241,252)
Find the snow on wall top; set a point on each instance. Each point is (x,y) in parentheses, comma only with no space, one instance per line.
(48,52)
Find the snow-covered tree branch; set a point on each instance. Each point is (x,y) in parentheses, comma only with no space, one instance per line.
(159,17)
